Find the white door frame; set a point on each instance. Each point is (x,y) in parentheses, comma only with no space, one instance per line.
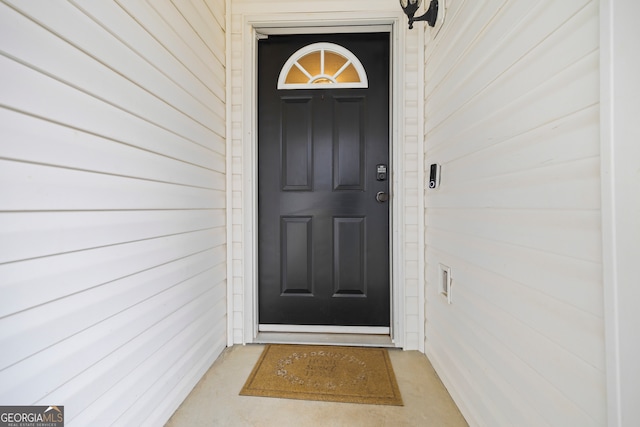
(300,23)
(620,91)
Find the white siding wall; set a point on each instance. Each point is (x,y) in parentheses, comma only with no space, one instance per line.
(112,206)
(512,115)
(410,146)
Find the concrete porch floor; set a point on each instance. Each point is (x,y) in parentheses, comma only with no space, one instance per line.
(215,400)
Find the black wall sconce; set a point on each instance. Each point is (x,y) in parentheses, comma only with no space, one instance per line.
(411,6)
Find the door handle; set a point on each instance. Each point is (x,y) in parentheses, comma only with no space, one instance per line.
(382,197)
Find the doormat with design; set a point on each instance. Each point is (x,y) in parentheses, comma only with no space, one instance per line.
(336,374)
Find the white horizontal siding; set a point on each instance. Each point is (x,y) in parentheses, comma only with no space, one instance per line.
(310,6)
(112,216)
(511,114)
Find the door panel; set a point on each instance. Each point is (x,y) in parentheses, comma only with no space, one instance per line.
(349,257)
(297,148)
(323,239)
(348,154)
(296,255)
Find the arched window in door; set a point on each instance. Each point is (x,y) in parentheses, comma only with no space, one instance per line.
(322,66)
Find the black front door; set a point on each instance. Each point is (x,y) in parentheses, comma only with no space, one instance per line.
(323,221)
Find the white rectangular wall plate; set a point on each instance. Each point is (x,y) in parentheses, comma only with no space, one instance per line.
(445,282)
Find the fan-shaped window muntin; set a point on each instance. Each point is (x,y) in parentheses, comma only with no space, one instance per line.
(320,66)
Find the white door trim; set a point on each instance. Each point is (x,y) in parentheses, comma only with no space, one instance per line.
(301,23)
(620,90)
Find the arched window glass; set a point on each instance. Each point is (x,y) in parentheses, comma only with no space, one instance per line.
(322,65)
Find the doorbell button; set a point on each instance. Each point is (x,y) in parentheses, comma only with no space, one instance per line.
(434,175)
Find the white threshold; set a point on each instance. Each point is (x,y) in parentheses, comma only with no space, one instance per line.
(351,340)
(325,329)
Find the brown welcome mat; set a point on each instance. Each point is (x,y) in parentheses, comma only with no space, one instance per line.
(337,374)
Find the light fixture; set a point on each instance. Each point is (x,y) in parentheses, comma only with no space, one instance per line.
(411,6)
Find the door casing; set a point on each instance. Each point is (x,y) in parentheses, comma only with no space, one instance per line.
(263,25)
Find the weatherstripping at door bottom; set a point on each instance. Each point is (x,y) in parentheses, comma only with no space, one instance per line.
(325,329)
(358,340)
